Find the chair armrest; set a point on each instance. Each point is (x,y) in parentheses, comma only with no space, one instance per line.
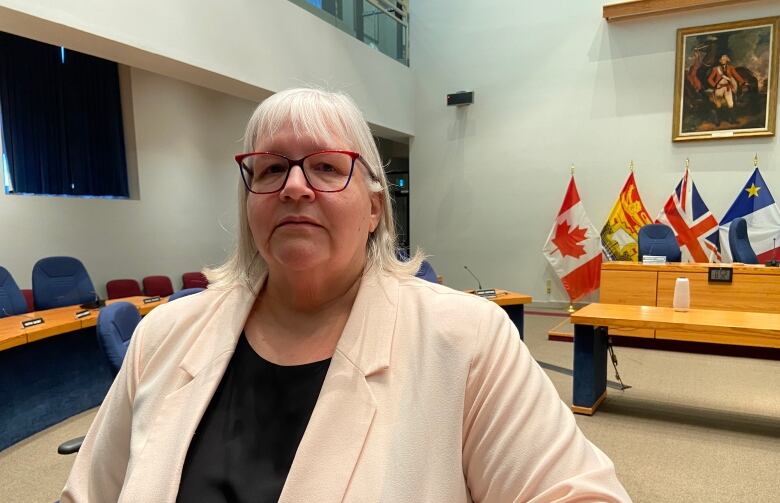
(71,446)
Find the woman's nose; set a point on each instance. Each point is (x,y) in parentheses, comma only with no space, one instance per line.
(297,186)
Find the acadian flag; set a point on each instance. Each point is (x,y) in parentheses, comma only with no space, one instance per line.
(692,222)
(572,248)
(619,235)
(757,206)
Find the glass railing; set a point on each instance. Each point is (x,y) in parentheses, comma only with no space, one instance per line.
(382,24)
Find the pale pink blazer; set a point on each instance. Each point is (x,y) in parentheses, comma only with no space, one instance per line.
(430,397)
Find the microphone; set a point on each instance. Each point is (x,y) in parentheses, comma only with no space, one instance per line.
(95,304)
(479,284)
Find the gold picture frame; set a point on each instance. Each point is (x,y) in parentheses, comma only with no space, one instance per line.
(725,83)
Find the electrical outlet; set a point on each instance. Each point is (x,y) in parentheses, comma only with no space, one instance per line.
(549,286)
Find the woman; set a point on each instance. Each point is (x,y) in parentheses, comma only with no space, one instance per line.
(317,368)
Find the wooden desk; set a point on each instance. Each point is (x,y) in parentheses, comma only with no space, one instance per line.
(513,303)
(10,334)
(58,321)
(754,288)
(593,322)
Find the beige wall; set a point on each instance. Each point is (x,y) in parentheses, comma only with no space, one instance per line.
(555,85)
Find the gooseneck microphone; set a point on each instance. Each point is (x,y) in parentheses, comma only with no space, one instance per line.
(479,284)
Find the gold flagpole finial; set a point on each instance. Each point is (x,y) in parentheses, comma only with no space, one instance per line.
(755,160)
(571,308)
(687,163)
(572,170)
(631,166)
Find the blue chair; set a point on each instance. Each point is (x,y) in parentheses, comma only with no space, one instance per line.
(659,240)
(184,293)
(425,271)
(739,242)
(61,281)
(115,324)
(11,298)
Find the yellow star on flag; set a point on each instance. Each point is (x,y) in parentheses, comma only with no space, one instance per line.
(752,190)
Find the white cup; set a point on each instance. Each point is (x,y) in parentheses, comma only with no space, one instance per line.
(682,295)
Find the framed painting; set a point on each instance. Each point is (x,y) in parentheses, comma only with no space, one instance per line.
(725,83)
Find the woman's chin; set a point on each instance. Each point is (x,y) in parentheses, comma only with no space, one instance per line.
(299,258)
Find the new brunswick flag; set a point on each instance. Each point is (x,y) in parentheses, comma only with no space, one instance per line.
(619,235)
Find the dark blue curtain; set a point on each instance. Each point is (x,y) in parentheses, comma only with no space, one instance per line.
(62,121)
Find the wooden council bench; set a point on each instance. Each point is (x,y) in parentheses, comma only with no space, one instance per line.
(592,322)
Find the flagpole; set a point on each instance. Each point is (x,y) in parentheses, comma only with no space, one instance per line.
(687,164)
(755,160)
(631,166)
(571,307)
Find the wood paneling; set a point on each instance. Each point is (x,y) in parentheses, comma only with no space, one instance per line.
(634,287)
(11,334)
(747,292)
(742,328)
(641,8)
(755,288)
(507,298)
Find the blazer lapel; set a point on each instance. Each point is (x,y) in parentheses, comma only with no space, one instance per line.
(341,420)
(200,371)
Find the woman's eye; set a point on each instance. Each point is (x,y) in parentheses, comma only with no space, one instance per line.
(274,169)
(324,168)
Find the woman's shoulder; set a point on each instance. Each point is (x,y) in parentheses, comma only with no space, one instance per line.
(440,297)
(173,328)
(445,313)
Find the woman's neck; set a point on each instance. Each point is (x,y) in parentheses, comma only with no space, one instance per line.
(297,319)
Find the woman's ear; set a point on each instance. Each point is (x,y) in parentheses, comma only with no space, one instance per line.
(377,209)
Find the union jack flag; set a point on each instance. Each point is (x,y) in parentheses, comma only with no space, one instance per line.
(692,222)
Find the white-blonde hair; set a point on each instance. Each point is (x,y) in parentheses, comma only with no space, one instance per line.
(322,115)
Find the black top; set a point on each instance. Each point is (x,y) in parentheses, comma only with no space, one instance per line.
(246,441)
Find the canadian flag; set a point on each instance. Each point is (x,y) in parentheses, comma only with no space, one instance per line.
(573,247)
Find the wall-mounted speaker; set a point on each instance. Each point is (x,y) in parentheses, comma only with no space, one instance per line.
(460,98)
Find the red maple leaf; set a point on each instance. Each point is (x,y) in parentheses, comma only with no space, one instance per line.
(568,241)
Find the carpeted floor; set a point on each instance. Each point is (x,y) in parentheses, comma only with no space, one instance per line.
(692,428)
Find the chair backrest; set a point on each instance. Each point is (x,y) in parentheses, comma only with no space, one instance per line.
(739,242)
(11,298)
(158,285)
(659,240)
(115,325)
(184,293)
(194,280)
(426,272)
(61,281)
(119,288)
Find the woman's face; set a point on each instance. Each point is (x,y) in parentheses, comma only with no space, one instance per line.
(299,229)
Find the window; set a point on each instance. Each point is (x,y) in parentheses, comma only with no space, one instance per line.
(61,115)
